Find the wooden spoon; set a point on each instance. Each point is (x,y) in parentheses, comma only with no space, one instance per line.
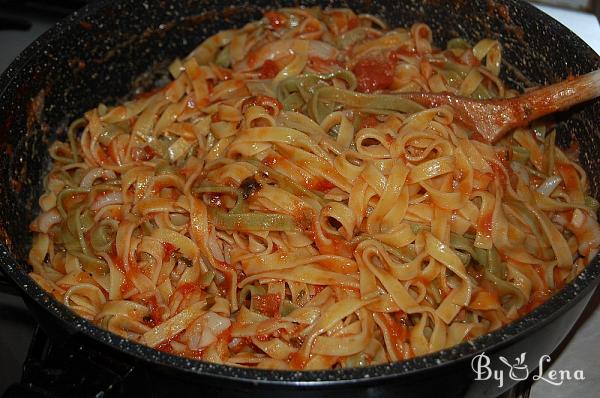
(494,118)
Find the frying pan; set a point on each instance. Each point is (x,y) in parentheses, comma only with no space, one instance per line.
(110,50)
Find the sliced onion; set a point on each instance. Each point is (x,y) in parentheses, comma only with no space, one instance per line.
(520,170)
(102,236)
(213,245)
(234,341)
(88,180)
(113,198)
(578,218)
(548,186)
(206,339)
(219,277)
(46,220)
(216,323)
(205,330)
(280,48)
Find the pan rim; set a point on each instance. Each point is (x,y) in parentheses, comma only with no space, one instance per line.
(559,303)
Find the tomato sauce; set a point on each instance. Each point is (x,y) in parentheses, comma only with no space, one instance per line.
(113,151)
(156,312)
(298,361)
(70,201)
(397,333)
(339,264)
(569,175)
(339,20)
(196,354)
(226,284)
(319,184)
(225,335)
(269,70)
(262,100)
(117,261)
(143,154)
(215,117)
(263,337)
(373,74)
(312,27)
(269,336)
(537,298)
(268,304)
(396,55)
(318,289)
(186,288)
(322,64)
(337,246)
(241,343)
(271,160)
(165,346)
(476,136)
(84,277)
(210,86)
(368,122)
(558,280)
(251,59)
(468,58)
(498,172)
(169,249)
(276,19)
(484,300)
(127,283)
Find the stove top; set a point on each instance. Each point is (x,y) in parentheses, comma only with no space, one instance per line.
(34,365)
(54,368)
(38,366)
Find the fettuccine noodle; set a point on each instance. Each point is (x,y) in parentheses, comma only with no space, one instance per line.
(276,206)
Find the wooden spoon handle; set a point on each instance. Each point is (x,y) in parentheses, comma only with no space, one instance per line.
(493,118)
(561,96)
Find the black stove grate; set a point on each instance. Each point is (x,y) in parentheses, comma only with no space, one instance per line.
(57,369)
(64,368)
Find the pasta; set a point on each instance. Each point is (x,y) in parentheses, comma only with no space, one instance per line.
(276,206)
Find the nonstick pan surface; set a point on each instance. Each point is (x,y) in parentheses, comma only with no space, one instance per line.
(110,50)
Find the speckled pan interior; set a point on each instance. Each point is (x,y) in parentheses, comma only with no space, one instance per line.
(111,49)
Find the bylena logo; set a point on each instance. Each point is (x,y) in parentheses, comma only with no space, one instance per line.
(518,370)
